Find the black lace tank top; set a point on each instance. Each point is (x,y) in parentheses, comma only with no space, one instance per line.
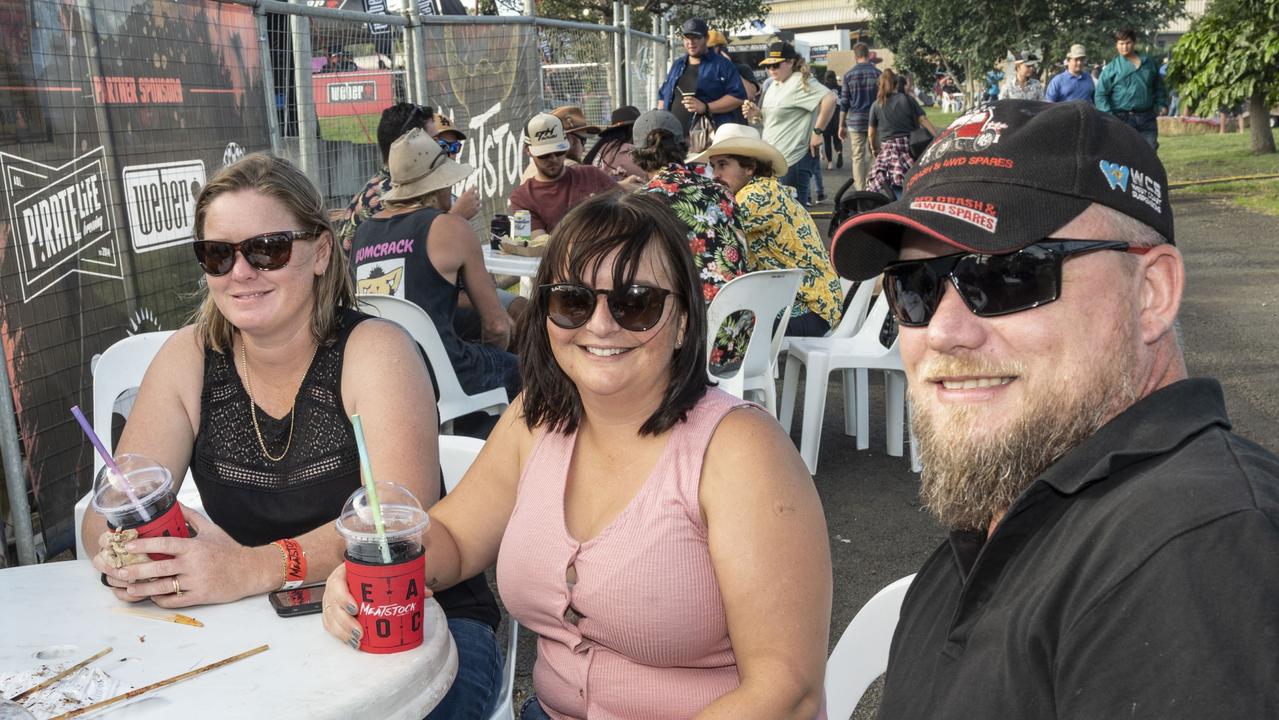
(257,501)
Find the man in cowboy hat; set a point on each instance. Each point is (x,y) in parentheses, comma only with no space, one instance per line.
(780,234)
(555,186)
(416,250)
(1073,83)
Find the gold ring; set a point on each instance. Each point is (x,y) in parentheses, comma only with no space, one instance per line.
(177,589)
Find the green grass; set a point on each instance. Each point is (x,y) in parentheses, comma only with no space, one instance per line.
(1203,157)
(938,118)
(360,129)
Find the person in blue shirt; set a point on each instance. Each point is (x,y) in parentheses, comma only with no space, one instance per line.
(702,82)
(1072,83)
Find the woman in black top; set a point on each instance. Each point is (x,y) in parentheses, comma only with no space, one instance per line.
(893,115)
(255,398)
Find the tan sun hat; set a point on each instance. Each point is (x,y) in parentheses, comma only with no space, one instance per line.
(1076,51)
(419,166)
(734,139)
(575,120)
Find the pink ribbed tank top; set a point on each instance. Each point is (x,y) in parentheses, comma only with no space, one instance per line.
(651,640)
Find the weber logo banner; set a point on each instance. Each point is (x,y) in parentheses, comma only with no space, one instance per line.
(61,219)
(160,202)
(352,92)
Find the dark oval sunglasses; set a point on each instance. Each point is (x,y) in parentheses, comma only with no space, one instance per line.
(635,307)
(989,285)
(268,251)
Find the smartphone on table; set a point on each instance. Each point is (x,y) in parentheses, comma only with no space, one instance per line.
(304,600)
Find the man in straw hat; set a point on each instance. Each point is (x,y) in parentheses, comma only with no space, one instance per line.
(555,187)
(1113,543)
(416,250)
(780,234)
(1073,83)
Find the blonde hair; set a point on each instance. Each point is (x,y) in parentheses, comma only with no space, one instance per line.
(805,73)
(281,180)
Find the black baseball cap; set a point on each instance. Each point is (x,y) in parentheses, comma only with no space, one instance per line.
(779,52)
(696,26)
(1008,175)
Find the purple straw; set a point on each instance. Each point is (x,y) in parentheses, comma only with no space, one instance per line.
(110,461)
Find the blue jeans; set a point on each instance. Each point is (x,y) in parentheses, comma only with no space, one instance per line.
(1146,123)
(479,673)
(532,710)
(817,178)
(799,176)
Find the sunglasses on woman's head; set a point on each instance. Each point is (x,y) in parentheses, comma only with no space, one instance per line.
(635,307)
(268,251)
(989,285)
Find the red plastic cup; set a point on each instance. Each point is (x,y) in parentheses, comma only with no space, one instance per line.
(153,487)
(390,596)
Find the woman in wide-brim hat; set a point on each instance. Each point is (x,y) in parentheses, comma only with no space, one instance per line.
(780,234)
(416,250)
(612,151)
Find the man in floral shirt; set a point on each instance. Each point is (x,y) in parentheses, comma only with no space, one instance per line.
(780,233)
(715,233)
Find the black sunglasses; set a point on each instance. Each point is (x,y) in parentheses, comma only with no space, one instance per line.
(268,251)
(418,116)
(635,307)
(990,285)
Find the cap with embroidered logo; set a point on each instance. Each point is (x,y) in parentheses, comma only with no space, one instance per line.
(544,134)
(778,52)
(1008,175)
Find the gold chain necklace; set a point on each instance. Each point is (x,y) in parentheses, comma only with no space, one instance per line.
(253,406)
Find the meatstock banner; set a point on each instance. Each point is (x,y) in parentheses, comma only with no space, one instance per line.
(485,78)
(113,114)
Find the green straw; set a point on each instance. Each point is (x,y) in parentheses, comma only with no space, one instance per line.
(370,489)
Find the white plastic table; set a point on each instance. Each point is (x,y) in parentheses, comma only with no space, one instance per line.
(58,612)
(500,263)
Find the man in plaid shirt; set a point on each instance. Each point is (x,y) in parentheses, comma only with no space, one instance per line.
(857,93)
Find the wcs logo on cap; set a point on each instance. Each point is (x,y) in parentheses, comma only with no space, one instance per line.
(1116,175)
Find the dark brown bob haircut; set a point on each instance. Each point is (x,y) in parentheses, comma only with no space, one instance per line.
(629,224)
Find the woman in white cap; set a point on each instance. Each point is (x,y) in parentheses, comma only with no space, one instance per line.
(414,249)
(779,231)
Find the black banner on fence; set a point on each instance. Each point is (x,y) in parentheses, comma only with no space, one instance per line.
(113,114)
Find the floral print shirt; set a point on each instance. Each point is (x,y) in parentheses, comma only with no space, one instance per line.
(716,237)
(780,234)
(365,203)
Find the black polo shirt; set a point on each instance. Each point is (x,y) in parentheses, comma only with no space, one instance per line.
(1138,577)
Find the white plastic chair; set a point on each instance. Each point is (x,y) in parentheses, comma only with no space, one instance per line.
(116,371)
(456,455)
(454,402)
(861,655)
(855,356)
(767,294)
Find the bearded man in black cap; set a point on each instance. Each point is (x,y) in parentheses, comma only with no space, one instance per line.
(1113,548)
(702,82)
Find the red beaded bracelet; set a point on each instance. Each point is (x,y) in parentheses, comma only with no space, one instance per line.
(294,563)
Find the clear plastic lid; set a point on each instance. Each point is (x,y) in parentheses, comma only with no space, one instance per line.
(402,515)
(147,478)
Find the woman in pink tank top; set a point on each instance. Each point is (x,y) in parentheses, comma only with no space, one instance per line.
(662,538)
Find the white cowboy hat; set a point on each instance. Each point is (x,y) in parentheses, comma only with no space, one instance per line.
(734,139)
(419,166)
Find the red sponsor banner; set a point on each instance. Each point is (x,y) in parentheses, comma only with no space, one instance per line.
(343,94)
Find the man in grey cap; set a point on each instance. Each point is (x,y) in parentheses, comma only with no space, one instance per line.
(1113,543)
(1072,83)
(702,82)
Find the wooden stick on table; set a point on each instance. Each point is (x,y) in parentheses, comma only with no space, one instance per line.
(32,691)
(163,683)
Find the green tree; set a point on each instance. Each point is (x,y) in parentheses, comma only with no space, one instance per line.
(1231,56)
(975,34)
